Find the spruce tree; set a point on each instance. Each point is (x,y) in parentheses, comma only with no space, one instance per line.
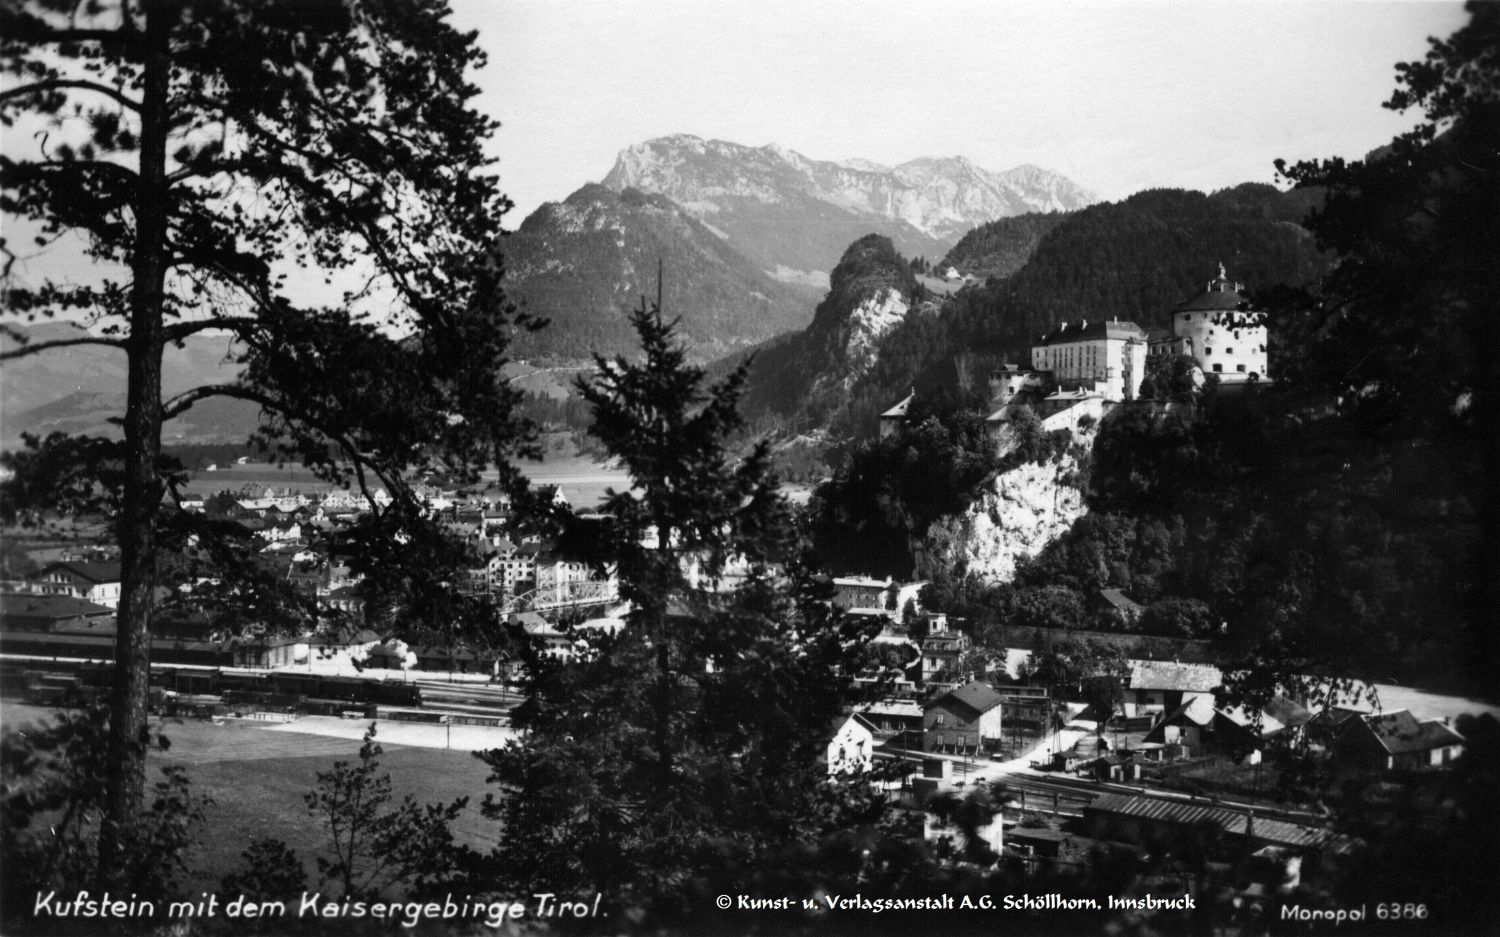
(687,747)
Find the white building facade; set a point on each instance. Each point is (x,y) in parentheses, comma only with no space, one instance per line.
(1107,357)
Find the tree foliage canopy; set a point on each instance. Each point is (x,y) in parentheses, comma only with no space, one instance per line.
(683,753)
(306,178)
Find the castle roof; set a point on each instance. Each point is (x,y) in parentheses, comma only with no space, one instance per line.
(1219,295)
(1086,331)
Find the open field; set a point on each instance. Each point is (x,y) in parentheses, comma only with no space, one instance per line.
(258,778)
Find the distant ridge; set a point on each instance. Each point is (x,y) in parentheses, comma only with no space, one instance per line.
(584,262)
(794,216)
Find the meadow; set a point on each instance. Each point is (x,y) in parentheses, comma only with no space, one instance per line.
(257,780)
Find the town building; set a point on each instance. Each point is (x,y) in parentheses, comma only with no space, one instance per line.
(1158,687)
(51,613)
(97,582)
(1396,741)
(852,749)
(965,720)
(942,649)
(851,592)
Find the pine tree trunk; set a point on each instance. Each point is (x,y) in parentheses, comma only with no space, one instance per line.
(142,482)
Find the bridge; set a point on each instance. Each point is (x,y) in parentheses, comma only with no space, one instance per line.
(563,595)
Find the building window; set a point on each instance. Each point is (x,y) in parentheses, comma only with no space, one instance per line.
(1241,368)
(1218,368)
(1229,351)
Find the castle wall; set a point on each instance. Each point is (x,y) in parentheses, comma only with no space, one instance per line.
(1230,344)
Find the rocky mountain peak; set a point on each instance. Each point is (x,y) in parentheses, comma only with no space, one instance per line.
(792,215)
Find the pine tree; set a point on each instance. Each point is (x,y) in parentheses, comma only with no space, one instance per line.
(213,157)
(687,747)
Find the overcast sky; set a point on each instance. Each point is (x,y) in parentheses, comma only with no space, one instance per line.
(1118,96)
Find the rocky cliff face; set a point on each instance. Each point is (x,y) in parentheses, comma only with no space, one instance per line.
(793,215)
(870,293)
(1024,510)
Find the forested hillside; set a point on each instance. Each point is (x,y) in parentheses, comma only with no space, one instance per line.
(1001,247)
(584,262)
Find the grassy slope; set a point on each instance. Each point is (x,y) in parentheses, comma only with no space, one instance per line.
(257,779)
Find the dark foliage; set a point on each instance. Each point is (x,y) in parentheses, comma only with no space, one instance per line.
(54,785)
(354,128)
(644,774)
(887,493)
(1001,247)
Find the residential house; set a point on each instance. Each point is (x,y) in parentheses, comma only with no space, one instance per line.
(95,581)
(893,717)
(893,419)
(1198,726)
(1323,728)
(1397,741)
(865,592)
(1160,686)
(966,720)
(942,650)
(1121,607)
(548,638)
(851,751)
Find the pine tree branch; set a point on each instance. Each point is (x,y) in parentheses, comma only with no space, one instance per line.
(31,349)
(236,324)
(57,84)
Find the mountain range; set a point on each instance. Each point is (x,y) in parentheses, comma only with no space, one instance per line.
(793,216)
(80,388)
(584,262)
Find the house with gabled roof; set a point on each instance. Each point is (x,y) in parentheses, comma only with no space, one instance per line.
(1124,609)
(893,419)
(1160,686)
(94,581)
(966,719)
(1199,726)
(852,748)
(1329,724)
(26,611)
(1397,741)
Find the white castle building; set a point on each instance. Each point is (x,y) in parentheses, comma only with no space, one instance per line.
(1218,329)
(1108,358)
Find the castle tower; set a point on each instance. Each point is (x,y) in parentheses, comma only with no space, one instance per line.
(1221,332)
